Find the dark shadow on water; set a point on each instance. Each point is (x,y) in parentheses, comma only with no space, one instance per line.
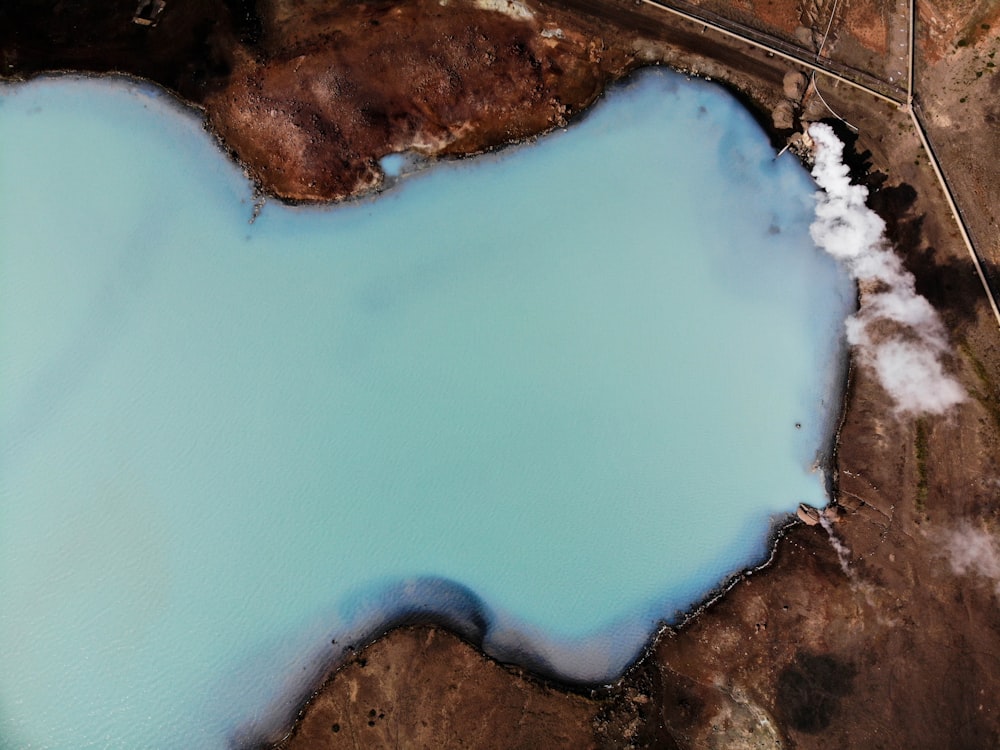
(460,611)
(415,601)
(427,601)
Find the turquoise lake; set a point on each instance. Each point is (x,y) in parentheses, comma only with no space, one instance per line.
(555,395)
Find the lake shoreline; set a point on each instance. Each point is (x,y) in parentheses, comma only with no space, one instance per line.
(795,653)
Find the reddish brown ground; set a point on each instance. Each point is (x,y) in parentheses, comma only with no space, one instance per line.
(335,91)
(900,650)
(419,690)
(960,104)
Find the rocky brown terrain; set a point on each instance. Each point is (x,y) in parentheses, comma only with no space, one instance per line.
(893,642)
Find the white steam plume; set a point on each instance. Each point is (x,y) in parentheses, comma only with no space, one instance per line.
(843,552)
(972,550)
(896,332)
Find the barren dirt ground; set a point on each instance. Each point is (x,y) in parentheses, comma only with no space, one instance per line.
(896,646)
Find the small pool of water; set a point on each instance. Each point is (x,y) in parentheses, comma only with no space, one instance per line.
(555,394)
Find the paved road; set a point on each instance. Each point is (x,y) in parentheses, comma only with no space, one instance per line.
(918,125)
(860,79)
(886,91)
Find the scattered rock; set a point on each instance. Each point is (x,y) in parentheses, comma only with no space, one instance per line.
(807,514)
(794,85)
(783,115)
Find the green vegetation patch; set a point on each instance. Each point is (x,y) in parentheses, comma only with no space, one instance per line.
(977,25)
(920,449)
(987,394)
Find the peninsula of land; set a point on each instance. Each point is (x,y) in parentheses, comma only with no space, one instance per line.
(895,645)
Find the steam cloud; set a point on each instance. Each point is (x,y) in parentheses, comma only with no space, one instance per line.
(843,552)
(895,332)
(973,550)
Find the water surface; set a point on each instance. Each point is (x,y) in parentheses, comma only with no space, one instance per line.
(559,393)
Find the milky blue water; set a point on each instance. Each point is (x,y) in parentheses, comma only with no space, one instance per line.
(556,394)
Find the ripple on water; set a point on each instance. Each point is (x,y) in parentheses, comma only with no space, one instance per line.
(552,393)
